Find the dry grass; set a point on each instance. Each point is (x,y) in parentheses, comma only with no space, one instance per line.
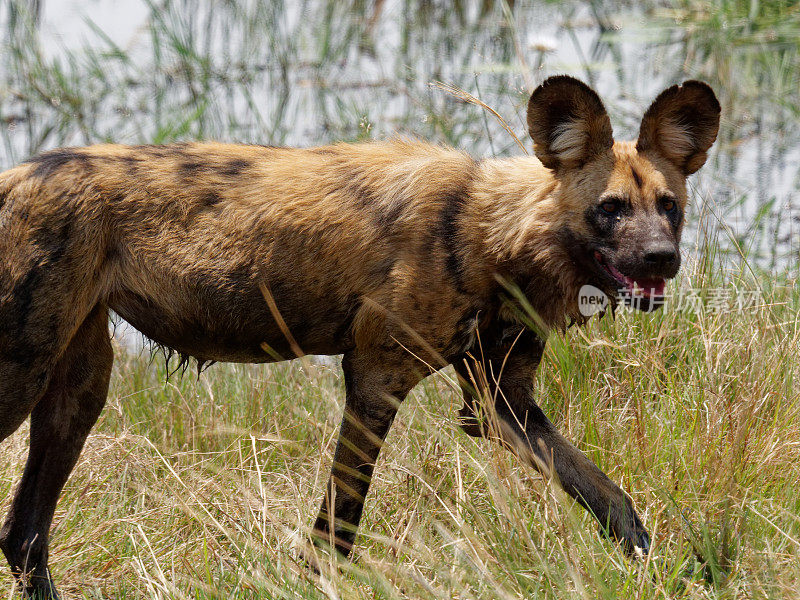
(205,488)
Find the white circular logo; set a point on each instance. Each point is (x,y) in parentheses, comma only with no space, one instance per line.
(591,300)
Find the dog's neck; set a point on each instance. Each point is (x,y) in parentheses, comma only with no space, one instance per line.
(514,212)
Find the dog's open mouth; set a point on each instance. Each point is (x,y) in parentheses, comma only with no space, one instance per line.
(635,286)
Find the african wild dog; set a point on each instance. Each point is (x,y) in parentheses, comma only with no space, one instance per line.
(391,254)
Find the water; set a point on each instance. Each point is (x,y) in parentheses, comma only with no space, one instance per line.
(309,72)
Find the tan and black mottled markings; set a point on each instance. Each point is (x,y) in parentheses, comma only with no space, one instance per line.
(51,162)
(397,255)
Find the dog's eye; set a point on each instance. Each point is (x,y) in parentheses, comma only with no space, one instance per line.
(668,204)
(610,206)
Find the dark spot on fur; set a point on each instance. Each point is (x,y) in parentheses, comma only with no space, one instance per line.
(382,270)
(49,163)
(367,200)
(131,164)
(190,168)
(211,199)
(160,152)
(387,218)
(636,177)
(52,245)
(14,314)
(363,196)
(448,233)
(60,243)
(235,167)
(112,255)
(3,196)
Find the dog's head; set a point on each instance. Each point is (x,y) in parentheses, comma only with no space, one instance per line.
(621,204)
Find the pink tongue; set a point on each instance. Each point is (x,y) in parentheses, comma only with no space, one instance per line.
(647,287)
(652,287)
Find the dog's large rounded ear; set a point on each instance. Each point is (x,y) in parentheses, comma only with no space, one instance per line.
(681,124)
(568,123)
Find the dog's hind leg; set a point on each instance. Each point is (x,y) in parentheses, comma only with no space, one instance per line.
(60,423)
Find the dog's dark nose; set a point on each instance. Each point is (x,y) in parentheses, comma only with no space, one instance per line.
(660,256)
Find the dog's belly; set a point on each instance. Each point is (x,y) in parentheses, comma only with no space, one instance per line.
(198,285)
(238,326)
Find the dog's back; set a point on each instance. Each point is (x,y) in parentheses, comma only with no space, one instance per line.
(181,240)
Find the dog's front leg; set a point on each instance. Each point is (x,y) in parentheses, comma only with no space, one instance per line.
(376,384)
(506,376)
